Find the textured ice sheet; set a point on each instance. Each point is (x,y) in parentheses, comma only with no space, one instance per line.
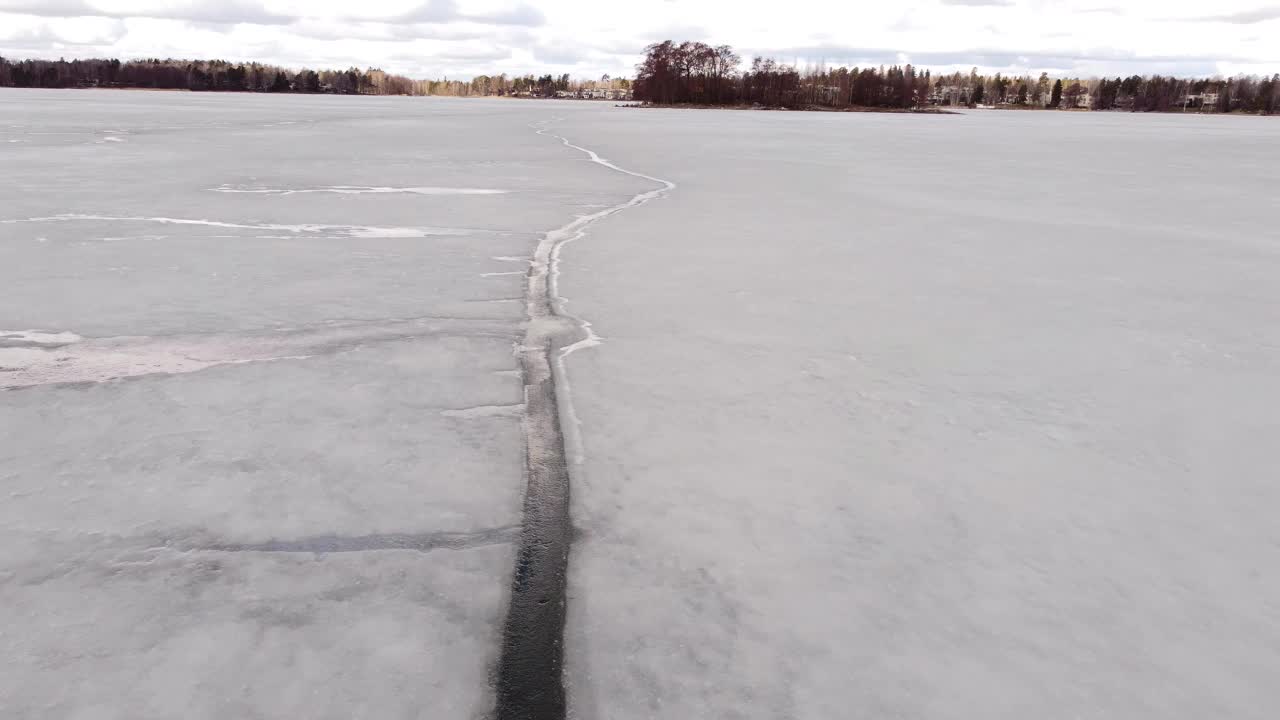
(364,440)
(353,190)
(139,631)
(135,242)
(929,417)
(33,358)
(262,450)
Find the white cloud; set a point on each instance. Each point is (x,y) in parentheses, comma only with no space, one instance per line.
(67,33)
(212,11)
(1246,17)
(459,38)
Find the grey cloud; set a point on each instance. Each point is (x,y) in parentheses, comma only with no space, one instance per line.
(1121,61)
(961,57)
(230,12)
(1246,17)
(48,8)
(43,37)
(506,37)
(459,55)
(223,12)
(674,33)
(388,32)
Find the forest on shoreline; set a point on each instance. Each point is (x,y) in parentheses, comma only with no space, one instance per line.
(688,74)
(224,76)
(696,74)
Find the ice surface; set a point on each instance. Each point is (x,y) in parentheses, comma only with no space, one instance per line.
(880,416)
(139,630)
(929,417)
(262,450)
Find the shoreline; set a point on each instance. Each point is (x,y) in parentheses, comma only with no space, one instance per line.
(780,108)
(933,110)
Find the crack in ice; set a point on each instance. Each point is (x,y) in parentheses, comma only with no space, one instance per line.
(322,544)
(549,262)
(529,682)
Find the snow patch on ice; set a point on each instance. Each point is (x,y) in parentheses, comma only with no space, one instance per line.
(355,231)
(29,358)
(113,359)
(486,411)
(36,338)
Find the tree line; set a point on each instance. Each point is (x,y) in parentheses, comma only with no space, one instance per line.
(524,85)
(694,73)
(686,73)
(201,75)
(223,76)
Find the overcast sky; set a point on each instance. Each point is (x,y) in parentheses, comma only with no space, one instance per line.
(587,38)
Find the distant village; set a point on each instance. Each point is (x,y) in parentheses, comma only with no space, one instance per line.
(1202,96)
(595,94)
(587,91)
(529,86)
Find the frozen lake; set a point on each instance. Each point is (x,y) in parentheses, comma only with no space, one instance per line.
(262,447)
(889,416)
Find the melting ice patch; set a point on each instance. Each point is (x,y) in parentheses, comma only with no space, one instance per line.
(357,190)
(75,360)
(37,357)
(36,338)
